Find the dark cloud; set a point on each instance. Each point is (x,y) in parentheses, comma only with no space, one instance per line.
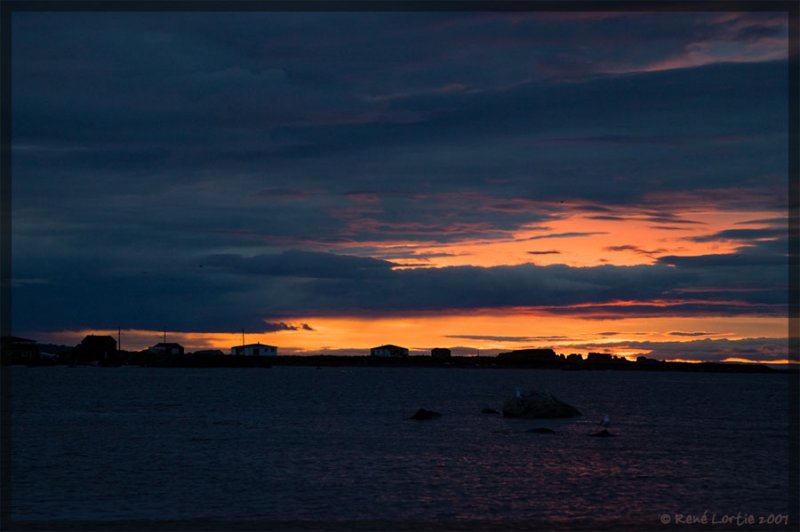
(764,253)
(608,217)
(297,263)
(573,234)
(727,259)
(689,333)
(668,228)
(635,139)
(427,137)
(201,167)
(740,234)
(635,249)
(666,218)
(779,222)
(546,252)
(231,291)
(281,326)
(673,308)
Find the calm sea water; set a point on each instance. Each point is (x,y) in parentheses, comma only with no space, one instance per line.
(300,443)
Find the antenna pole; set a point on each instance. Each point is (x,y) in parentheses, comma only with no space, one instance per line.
(165,336)
(242,337)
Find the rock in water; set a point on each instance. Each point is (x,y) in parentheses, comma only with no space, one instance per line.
(536,404)
(425,414)
(541,430)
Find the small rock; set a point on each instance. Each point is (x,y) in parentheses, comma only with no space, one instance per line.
(489,411)
(541,430)
(423,414)
(602,434)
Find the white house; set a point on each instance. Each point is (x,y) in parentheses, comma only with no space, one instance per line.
(255,350)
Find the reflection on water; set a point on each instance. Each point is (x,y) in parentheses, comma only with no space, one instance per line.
(334,444)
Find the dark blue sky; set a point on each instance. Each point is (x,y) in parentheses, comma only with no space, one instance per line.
(211,171)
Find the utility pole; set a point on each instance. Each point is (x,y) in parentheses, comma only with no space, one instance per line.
(242,339)
(119,338)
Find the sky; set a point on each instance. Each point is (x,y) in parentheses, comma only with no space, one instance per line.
(330,182)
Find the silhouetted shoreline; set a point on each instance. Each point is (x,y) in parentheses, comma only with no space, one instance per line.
(102,351)
(477,362)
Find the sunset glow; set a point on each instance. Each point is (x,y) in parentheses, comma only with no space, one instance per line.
(481,333)
(587,241)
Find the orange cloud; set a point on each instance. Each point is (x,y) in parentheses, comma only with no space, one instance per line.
(582,237)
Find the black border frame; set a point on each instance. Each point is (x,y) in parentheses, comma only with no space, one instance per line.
(9,7)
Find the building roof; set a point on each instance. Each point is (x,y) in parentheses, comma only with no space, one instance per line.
(390,346)
(167,344)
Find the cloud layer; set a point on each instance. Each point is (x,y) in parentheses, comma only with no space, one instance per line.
(208,172)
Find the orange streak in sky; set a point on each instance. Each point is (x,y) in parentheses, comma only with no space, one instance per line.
(478,331)
(632,241)
(784,361)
